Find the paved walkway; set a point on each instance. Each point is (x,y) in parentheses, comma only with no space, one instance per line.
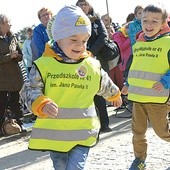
(113,152)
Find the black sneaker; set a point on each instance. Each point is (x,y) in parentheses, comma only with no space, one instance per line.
(105,129)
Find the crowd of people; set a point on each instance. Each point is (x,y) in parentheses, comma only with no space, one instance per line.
(69,82)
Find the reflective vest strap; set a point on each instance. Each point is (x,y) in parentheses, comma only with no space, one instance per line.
(144,75)
(148,91)
(76,113)
(64,135)
(67,124)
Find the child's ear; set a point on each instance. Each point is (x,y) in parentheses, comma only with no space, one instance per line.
(164,25)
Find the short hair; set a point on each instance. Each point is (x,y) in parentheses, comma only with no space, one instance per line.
(137,8)
(3,19)
(43,9)
(29,29)
(157,9)
(130,17)
(91,10)
(107,15)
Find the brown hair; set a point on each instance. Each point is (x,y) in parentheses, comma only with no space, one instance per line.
(29,29)
(3,19)
(137,8)
(130,17)
(157,9)
(106,15)
(91,10)
(44,9)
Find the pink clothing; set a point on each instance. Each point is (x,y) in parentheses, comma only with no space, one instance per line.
(125,48)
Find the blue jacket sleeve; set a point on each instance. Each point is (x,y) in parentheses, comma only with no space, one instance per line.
(165,80)
(40,38)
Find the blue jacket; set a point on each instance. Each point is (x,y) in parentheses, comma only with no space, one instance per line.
(27,53)
(134,28)
(40,38)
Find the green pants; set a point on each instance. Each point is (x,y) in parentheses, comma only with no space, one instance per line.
(156,115)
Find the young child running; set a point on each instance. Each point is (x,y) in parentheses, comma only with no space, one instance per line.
(149,82)
(60,91)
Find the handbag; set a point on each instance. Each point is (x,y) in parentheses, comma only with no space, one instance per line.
(110,51)
(10,127)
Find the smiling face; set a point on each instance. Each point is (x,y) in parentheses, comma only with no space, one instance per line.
(74,46)
(152,23)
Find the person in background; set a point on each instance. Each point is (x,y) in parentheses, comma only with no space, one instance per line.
(95,44)
(114,71)
(61,89)
(148,84)
(27,52)
(135,25)
(11,79)
(40,37)
(130,17)
(107,20)
(123,41)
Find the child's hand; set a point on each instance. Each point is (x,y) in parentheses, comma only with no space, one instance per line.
(118,102)
(158,87)
(51,109)
(124,90)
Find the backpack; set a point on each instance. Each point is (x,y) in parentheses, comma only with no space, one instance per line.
(10,127)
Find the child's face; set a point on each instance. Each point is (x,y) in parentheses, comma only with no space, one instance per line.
(74,46)
(152,23)
(139,14)
(106,20)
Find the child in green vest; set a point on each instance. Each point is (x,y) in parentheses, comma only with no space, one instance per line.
(148,82)
(60,91)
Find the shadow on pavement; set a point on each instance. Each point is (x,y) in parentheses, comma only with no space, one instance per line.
(16,161)
(25,158)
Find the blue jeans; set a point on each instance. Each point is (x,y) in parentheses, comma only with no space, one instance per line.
(72,160)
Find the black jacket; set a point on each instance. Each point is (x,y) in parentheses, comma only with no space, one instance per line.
(97,39)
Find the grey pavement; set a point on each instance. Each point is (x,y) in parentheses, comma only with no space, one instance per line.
(113,152)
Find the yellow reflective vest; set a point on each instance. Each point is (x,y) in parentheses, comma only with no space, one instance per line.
(72,87)
(150,63)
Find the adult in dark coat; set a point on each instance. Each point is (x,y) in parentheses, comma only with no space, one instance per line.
(95,44)
(11,79)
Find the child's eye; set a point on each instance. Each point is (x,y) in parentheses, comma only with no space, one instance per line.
(84,42)
(74,40)
(154,21)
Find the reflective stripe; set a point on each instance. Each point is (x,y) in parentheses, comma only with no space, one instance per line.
(63,135)
(76,113)
(144,75)
(148,91)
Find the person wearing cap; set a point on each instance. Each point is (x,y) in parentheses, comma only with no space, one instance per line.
(60,91)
